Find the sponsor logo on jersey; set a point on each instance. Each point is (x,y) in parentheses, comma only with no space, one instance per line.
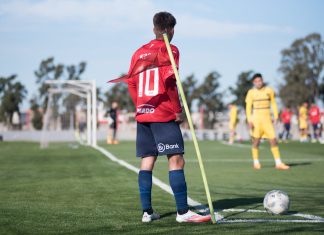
(162,147)
(145,108)
(142,56)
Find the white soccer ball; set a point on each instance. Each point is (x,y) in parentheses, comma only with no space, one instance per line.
(276,202)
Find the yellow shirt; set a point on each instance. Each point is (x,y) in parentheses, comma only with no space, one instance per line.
(302,113)
(233,114)
(259,103)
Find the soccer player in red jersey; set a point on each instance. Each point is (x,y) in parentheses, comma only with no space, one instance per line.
(285,117)
(314,115)
(158,114)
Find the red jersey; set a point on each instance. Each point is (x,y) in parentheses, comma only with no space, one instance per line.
(286,116)
(154,91)
(314,114)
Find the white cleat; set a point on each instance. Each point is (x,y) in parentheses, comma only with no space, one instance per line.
(149,218)
(192,217)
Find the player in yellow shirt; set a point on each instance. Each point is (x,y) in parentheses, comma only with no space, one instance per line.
(302,120)
(232,122)
(259,102)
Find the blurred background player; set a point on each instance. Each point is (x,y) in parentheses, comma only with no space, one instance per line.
(81,121)
(314,115)
(302,120)
(259,100)
(158,114)
(112,114)
(232,122)
(321,128)
(15,120)
(285,117)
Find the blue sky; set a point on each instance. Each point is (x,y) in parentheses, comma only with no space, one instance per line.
(227,36)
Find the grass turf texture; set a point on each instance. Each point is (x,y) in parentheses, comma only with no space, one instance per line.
(64,190)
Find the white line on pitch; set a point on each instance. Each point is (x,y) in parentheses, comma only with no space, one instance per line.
(155,180)
(203,208)
(236,145)
(241,160)
(232,221)
(305,216)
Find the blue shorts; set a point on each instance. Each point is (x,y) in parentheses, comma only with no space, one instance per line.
(287,126)
(316,126)
(158,138)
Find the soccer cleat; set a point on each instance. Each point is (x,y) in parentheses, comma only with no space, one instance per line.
(192,217)
(257,166)
(149,218)
(115,142)
(282,166)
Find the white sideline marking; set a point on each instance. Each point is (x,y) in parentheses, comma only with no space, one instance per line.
(305,216)
(232,221)
(203,208)
(237,145)
(244,160)
(155,180)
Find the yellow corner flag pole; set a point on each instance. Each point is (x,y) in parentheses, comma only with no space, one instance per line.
(193,134)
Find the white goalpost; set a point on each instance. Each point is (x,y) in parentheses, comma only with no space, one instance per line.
(83,89)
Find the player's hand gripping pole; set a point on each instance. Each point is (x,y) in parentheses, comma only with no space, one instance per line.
(193,134)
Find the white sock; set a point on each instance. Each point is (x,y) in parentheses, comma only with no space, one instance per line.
(256,162)
(278,161)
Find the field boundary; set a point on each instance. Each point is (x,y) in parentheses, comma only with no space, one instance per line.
(155,180)
(236,144)
(304,216)
(290,160)
(202,208)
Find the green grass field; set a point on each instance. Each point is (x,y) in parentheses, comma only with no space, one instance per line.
(69,190)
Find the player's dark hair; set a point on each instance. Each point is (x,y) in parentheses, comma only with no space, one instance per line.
(164,20)
(257,75)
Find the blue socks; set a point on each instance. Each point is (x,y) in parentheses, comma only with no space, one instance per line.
(177,183)
(179,188)
(145,188)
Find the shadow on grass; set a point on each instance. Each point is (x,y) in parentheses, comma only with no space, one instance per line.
(224,204)
(237,202)
(291,165)
(299,164)
(171,213)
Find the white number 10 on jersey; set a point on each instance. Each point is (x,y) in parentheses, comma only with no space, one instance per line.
(145,82)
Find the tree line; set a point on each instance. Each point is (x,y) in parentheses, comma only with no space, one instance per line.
(301,68)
